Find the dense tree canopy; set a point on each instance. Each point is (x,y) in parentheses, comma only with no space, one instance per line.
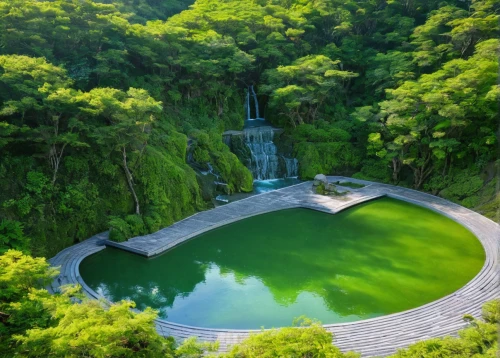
(109,109)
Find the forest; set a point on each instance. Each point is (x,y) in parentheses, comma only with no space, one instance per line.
(99,101)
(109,109)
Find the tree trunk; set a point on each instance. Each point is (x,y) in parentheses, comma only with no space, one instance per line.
(396,167)
(421,173)
(55,160)
(130,181)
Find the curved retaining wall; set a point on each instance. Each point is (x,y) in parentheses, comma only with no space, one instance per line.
(372,337)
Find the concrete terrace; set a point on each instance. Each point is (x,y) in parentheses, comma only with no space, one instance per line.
(373,337)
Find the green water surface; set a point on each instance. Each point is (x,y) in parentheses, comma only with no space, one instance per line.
(380,257)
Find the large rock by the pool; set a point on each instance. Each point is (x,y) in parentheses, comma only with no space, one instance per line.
(320,178)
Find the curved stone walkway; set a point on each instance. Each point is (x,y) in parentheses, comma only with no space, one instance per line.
(373,337)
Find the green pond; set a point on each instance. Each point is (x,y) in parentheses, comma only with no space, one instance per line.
(377,258)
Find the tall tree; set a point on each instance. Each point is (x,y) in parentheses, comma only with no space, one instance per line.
(128,117)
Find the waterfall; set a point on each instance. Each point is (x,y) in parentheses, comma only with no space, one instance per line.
(256,102)
(265,161)
(247,105)
(251,93)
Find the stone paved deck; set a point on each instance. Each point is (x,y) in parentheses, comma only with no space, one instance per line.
(373,337)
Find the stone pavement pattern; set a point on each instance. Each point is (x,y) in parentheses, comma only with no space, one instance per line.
(373,337)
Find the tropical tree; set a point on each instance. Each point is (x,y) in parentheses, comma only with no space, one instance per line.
(128,117)
(39,102)
(298,91)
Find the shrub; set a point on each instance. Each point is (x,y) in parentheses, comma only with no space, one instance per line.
(119,229)
(491,311)
(136,225)
(12,236)
(153,221)
(374,170)
(350,184)
(35,323)
(310,340)
(463,185)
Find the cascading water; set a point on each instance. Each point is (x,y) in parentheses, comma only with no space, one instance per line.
(256,101)
(247,105)
(250,93)
(265,162)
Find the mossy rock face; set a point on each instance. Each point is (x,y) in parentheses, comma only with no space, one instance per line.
(240,149)
(284,144)
(209,148)
(207,185)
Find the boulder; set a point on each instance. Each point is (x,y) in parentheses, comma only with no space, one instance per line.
(320,178)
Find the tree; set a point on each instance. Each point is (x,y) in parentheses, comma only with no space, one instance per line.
(12,236)
(426,120)
(299,90)
(128,118)
(35,323)
(93,330)
(38,100)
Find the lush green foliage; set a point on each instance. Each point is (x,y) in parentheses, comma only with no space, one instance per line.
(107,106)
(101,100)
(350,184)
(12,236)
(35,323)
(480,339)
(310,340)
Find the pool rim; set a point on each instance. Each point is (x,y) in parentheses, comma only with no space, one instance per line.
(483,277)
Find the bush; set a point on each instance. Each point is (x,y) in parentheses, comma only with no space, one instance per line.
(480,339)
(153,221)
(463,185)
(34,323)
(491,311)
(376,170)
(310,340)
(119,229)
(350,184)
(136,225)
(12,236)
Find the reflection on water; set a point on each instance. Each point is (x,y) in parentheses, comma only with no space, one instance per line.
(259,187)
(378,258)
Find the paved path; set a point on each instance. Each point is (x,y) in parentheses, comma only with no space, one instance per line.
(373,337)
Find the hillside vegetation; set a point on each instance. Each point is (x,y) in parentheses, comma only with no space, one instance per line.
(99,100)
